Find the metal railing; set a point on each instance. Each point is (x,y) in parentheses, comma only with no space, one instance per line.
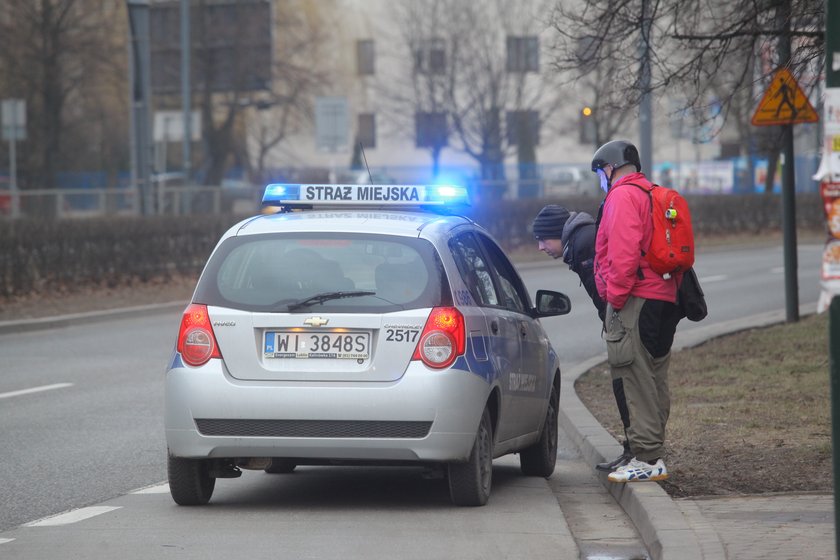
(83,203)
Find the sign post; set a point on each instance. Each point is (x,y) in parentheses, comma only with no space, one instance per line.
(13,117)
(784,103)
(831,112)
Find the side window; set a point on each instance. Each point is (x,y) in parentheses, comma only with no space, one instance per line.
(365,58)
(523,54)
(366,129)
(474,270)
(514,295)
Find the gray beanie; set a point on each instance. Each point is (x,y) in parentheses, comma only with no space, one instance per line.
(550,221)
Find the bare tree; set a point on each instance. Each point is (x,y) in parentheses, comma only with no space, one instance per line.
(288,108)
(471,79)
(62,56)
(242,75)
(696,47)
(608,113)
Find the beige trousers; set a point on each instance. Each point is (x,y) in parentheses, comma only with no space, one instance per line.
(645,380)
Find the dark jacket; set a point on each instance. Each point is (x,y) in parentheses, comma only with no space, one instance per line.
(579,253)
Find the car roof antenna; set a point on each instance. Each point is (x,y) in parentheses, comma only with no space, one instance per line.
(362,148)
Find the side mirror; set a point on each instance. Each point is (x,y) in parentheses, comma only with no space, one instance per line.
(551,303)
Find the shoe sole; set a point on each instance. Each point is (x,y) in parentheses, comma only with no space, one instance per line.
(656,478)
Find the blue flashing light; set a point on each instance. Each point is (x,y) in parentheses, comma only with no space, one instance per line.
(277,193)
(447,194)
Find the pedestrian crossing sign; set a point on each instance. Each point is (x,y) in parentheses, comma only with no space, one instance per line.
(784,102)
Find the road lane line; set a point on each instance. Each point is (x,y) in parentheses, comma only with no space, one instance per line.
(158,489)
(35,390)
(717,278)
(4,541)
(73,516)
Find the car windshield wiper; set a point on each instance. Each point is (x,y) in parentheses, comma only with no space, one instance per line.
(327,296)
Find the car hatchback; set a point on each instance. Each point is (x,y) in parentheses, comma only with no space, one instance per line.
(365,330)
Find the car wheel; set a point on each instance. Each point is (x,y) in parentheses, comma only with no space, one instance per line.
(540,458)
(190,482)
(280,466)
(469,483)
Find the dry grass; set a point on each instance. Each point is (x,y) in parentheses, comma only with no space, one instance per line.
(79,299)
(750,412)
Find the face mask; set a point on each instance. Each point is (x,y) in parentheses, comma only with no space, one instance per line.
(605,182)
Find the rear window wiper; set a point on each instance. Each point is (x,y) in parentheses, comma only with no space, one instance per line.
(327,296)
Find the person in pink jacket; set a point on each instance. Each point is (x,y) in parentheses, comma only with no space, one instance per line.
(641,316)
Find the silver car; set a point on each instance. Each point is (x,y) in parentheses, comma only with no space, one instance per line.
(366,329)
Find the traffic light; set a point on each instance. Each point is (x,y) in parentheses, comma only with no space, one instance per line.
(587,127)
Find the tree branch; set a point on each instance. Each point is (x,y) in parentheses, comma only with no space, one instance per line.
(760,33)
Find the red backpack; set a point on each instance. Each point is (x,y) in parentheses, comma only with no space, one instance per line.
(672,245)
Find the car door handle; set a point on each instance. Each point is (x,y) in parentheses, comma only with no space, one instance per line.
(494,327)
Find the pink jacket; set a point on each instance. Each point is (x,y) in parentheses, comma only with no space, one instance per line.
(625,231)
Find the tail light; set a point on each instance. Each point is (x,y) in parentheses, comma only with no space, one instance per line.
(196,341)
(443,338)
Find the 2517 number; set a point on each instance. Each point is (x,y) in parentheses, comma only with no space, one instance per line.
(401,335)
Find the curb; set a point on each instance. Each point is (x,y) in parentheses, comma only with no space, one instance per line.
(664,529)
(58,321)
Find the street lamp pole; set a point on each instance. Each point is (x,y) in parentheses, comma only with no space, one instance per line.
(138,18)
(186,98)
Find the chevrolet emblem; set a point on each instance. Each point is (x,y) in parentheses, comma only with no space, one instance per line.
(316,321)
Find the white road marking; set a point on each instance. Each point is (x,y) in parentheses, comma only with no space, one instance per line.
(34,390)
(710,279)
(4,541)
(159,489)
(73,516)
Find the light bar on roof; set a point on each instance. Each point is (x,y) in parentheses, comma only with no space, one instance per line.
(291,194)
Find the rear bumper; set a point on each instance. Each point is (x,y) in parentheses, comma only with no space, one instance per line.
(424,416)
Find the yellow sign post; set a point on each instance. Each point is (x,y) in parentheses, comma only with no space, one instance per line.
(784,102)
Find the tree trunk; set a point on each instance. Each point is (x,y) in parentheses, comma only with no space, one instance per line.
(436,161)
(527,160)
(492,159)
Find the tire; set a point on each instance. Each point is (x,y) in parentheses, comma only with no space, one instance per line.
(190,482)
(470,482)
(540,458)
(280,466)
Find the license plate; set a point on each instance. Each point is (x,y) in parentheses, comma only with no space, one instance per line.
(324,345)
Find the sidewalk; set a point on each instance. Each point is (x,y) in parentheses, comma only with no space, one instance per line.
(786,526)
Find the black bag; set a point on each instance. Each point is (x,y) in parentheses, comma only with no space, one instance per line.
(691,300)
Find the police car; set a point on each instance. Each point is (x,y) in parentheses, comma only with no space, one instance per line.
(363,324)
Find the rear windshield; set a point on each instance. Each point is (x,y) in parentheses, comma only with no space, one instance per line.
(275,272)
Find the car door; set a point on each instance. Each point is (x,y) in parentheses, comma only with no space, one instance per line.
(528,385)
(502,327)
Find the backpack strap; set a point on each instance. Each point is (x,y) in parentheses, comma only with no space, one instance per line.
(639,272)
(648,191)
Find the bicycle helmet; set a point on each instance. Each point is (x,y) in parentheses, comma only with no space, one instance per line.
(616,153)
